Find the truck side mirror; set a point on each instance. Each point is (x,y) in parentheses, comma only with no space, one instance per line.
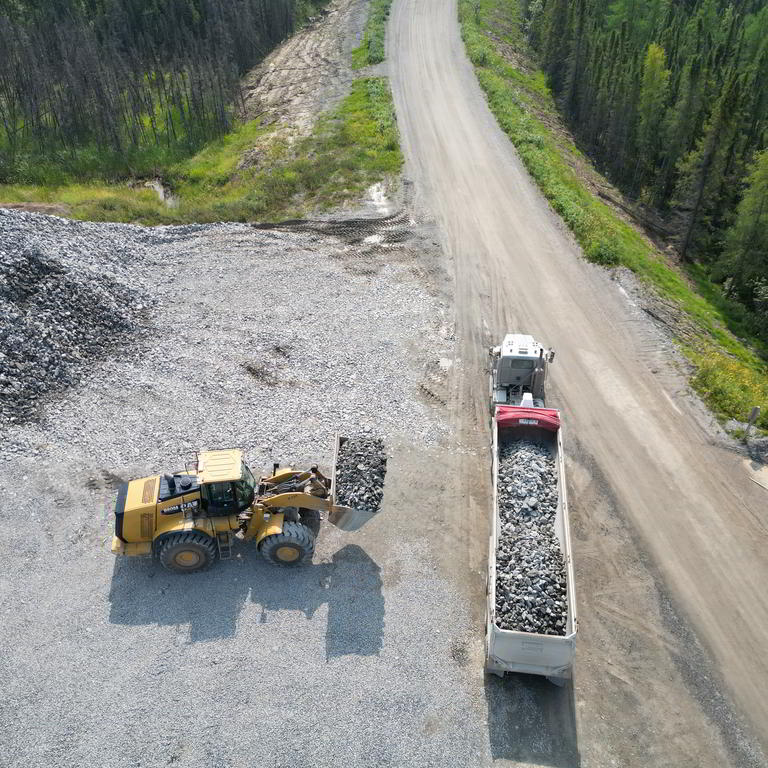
(551,355)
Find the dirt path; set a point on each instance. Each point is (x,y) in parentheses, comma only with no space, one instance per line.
(309,73)
(686,518)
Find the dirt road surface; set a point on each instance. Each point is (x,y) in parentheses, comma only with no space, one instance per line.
(670,531)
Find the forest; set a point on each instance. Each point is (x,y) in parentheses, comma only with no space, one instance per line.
(670,99)
(105,88)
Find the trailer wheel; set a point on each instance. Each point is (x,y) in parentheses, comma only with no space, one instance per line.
(187,552)
(295,545)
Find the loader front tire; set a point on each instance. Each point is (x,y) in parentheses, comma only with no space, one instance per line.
(294,546)
(187,552)
(311,519)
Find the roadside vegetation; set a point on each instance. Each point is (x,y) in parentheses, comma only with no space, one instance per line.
(350,148)
(371,49)
(731,373)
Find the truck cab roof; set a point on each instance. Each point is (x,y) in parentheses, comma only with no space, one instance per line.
(520,345)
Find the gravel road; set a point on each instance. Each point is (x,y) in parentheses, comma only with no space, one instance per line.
(632,431)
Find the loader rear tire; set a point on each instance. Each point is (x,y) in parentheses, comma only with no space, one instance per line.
(294,546)
(187,552)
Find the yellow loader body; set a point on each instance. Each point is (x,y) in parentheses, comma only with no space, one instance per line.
(189,518)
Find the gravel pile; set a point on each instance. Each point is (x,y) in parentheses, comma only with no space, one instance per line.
(530,572)
(65,299)
(758,449)
(276,374)
(360,470)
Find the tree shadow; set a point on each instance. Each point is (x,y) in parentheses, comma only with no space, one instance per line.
(530,720)
(144,593)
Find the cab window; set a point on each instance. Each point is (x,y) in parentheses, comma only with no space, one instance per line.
(221,497)
(244,494)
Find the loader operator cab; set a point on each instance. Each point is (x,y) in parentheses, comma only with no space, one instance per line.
(228,496)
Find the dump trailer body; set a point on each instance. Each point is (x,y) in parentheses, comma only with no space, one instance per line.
(515,651)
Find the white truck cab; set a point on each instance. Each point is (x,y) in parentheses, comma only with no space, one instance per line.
(519,371)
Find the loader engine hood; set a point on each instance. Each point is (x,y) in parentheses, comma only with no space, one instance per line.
(136,501)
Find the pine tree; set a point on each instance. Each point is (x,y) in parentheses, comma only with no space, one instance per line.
(744,264)
(680,127)
(701,170)
(653,96)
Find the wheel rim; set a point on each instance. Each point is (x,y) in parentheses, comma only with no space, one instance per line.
(187,558)
(287,554)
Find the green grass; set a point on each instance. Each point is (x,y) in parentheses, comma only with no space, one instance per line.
(371,50)
(58,167)
(731,377)
(349,149)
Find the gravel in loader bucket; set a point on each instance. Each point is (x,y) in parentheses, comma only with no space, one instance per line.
(360,468)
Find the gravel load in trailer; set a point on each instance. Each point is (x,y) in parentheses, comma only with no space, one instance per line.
(531,608)
(530,572)
(359,468)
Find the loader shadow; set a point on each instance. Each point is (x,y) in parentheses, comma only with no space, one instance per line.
(530,720)
(144,593)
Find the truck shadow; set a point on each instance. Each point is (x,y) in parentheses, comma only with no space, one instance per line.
(530,720)
(144,593)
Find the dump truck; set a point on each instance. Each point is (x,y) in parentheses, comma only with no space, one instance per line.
(532,637)
(191,517)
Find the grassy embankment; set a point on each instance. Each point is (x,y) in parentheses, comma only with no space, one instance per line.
(371,49)
(349,149)
(729,376)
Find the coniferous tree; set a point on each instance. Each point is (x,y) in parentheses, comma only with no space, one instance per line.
(113,75)
(744,264)
(653,96)
(670,98)
(701,171)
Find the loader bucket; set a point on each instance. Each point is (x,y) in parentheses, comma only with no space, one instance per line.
(347,518)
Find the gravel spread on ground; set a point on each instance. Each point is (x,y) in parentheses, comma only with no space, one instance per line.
(530,572)
(270,341)
(267,341)
(360,469)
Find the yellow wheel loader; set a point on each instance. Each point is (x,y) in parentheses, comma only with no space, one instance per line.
(189,518)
